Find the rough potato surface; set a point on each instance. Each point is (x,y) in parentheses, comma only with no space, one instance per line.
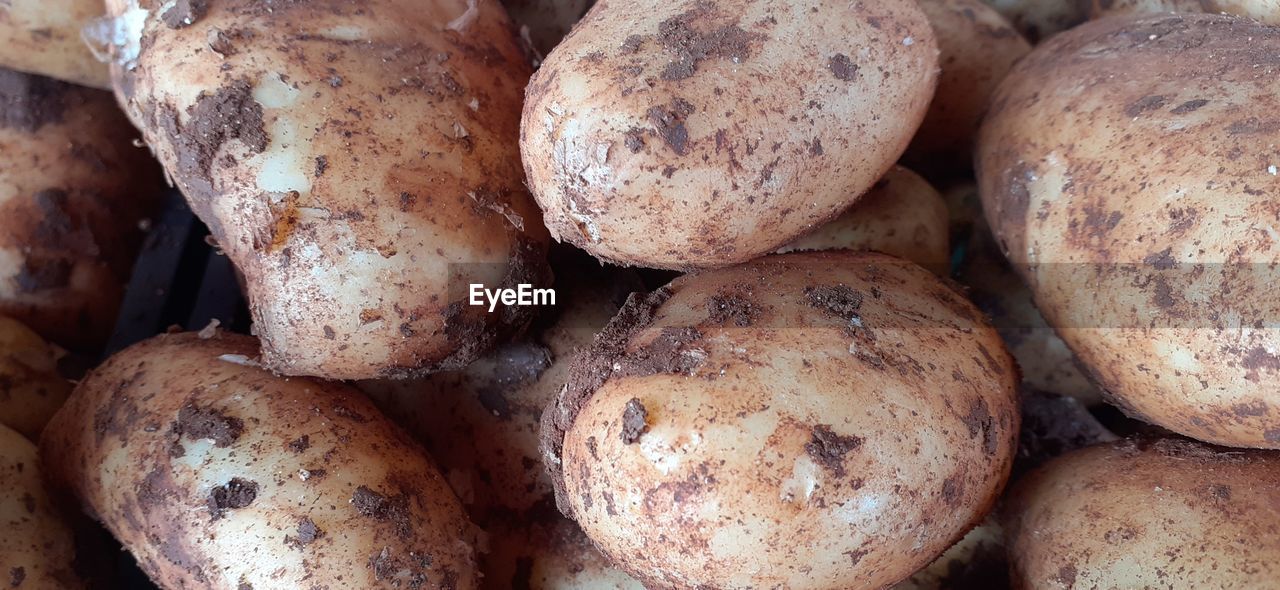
(1267,11)
(43,37)
(37,547)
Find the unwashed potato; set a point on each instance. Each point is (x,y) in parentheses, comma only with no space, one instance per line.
(1151,514)
(902,215)
(684,134)
(978,48)
(481,426)
(31,389)
(545,22)
(1039,19)
(37,546)
(976,562)
(1129,171)
(73,191)
(1267,11)
(216,473)
(356,160)
(43,37)
(711,435)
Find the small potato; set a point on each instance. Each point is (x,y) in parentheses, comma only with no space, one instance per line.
(1039,19)
(1267,11)
(1147,514)
(686,134)
(978,48)
(357,161)
(43,37)
(1129,171)
(712,436)
(545,22)
(902,215)
(30,388)
(73,190)
(977,562)
(218,474)
(37,546)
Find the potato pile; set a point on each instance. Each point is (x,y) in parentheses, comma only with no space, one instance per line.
(665,294)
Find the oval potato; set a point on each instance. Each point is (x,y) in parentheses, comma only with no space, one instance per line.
(43,37)
(693,134)
(1267,11)
(216,473)
(710,437)
(37,548)
(31,389)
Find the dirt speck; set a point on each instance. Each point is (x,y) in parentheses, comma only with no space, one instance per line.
(185,13)
(199,422)
(668,123)
(842,67)
(692,39)
(634,421)
(393,509)
(235,494)
(828,449)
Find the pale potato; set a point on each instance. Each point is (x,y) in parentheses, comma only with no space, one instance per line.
(356,161)
(712,436)
(216,473)
(902,215)
(1147,514)
(31,389)
(1040,19)
(685,134)
(1129,171)
(43,37)
(1267,11)
(37,545)
(73,193)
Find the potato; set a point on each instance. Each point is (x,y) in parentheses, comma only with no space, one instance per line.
(356,161)
(73,191)
(1267,11)
(685,134)
(1039,19)
(43,37)
(1128,169)
(978,561)
(711,435)
(37,548)
(978,48)
(216,473)
(545,22)
(1148,514)
(30,388)
(902,215)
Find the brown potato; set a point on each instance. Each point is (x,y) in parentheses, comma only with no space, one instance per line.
(216,473)
(1267,11)
(902,215)
(37,546)
(1040,19)
(30,388)
(1148,514)
(43,37)
(978,48)
(357,161)
(684,134)
(1128,169)
(712,437)
(73,191)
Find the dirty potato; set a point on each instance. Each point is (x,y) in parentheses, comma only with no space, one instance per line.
(711,436)
(978,48)
(356,160)
(902,215)
(37,547)
(73,191)
(977,561)
(693,134)
(43,37)
(1267,11)
(543,23)
(1147,514)
(1129,171)
(30,388)
(1039,19)
(216,473)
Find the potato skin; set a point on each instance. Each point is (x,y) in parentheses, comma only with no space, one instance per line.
(711,438)
(75,190)
(1136,204)
(1147,514)
(696,134)
(358,163)
(902,215)
(37,549)
(1267,11)
(216,473)
(31,389)
(43,37)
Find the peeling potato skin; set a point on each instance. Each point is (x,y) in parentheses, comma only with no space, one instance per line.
(30,388)
(1267,11)
(37,548)
(1040,19)
(902,215)
(1147,514)
(548,20)
(1135,204)
(712,405)
(338,158)
(73,190)
(693,134)
(43,37)
(978,48)
(215,473)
